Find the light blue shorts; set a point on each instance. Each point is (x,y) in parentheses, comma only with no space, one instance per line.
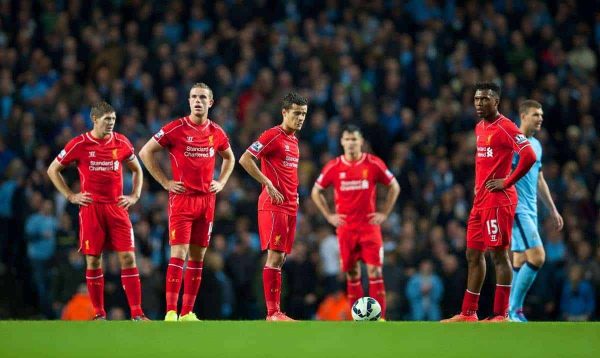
(525,233)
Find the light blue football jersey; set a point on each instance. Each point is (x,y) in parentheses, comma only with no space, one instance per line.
(527,185)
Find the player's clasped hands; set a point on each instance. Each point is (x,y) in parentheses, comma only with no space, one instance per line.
(126,201)
(216,186)
(176,187)
(336,219)
(494,184)
(376,218)
(275,195)
(82,199)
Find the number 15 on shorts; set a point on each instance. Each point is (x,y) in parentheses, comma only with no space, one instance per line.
(492,229)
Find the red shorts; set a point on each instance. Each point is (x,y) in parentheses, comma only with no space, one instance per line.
(490,228)
(191,219)
(276,230)
(104,226)
(360,243)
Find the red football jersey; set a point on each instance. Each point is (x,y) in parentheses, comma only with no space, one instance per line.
(279,155)
(99,164)
(192,149)
(496,143)
(354,185)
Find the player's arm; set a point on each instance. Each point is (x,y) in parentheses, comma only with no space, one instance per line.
(526,160)
(377,218)
(138,179)
(226,170)
(321,202)
(248,162)
(148,156)
(544,194)
(54,173)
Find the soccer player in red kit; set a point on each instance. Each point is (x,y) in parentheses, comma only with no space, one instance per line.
(103,219)
(277,150)
(354,177)
(193,143)
(490,223)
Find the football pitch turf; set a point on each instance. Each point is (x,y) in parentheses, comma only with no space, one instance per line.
(296,339)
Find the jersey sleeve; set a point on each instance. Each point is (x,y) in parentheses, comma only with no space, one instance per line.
(70,152)
(129,152)
(383,174)
(164,136)
(264,144)
(223,143)
(327,175)
(515,138)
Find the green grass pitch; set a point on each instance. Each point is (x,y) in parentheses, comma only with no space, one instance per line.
(296,339)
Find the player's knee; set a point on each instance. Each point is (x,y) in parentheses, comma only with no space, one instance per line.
(353,273)
(538,258)
(374,271)
(179,251)
(500,258)
(127,259)
(474,257)
(93,262)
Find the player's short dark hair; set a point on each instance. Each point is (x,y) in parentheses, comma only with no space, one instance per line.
(527,104)
(293,98)
(490,86)
(101,108)
(351,128)
(202,85)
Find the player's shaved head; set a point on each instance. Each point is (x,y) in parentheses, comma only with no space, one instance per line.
(489,86)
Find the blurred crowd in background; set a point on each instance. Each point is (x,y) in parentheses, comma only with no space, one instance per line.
(402,70)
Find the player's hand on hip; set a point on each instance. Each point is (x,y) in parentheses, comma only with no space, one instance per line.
(336,219)
(216,186)
(376,218)
(82,199)
(558,220)
(275,195)
(125,201)
(176,187)
(495,184)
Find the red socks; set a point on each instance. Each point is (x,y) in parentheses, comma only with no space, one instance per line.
(470,303)
(130,278)
(501,297)
(174,273)
(95,285)
(191,284)
(272,289)
(354,290)
(377,291)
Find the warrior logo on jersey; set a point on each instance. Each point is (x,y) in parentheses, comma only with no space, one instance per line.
(365,173)
(489,140)
(257,146)
(210,140)
(115,154)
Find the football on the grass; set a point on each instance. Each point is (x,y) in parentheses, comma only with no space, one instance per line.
(366,309)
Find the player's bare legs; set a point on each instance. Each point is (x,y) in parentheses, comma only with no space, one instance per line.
(130,279)
(272,285)
(354,289)
(503,283)
(376,286)
(475,278)
(95,284)
(476,270)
